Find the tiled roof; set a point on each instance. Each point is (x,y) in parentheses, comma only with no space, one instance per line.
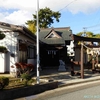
(64,33)
(18,28)
(88,39)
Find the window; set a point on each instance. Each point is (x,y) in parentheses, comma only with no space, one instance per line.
(23,56)
(31,52)
(52,36)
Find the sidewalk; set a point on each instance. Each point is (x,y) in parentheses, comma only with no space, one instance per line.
(65,78)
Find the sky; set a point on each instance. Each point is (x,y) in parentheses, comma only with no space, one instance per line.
(79,15)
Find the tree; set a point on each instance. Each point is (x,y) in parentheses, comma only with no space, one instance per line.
(46,17)
(85,34)
(89,34)
(31,26)
(97,36)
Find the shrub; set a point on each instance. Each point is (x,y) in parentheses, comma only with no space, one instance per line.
(24,68)
(4,81)
(25,76)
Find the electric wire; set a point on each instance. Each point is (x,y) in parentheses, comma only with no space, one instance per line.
(67,5)
(84,27)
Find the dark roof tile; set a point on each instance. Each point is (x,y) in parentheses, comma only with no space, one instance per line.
(64,33)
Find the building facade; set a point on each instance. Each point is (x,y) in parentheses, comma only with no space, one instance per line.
(20,44)
(54,42)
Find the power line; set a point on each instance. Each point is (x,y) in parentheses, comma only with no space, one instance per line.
(67,5)
(92,26)
(96,30)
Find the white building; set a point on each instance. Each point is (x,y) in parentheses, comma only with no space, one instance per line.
(20,44)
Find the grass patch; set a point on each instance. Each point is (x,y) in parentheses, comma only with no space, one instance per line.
(18,82)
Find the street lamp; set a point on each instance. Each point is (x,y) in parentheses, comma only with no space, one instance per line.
(38,43)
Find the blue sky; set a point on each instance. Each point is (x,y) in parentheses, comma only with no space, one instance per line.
(79,21)
(74,13)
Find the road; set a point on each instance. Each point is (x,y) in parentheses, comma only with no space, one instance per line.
(92,93)
(83,91)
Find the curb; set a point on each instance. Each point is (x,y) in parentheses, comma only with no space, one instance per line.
(77,82)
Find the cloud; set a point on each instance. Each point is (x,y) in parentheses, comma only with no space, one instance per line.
(74,6)
(19,11)
(18,17)
(18,4)
(84,6)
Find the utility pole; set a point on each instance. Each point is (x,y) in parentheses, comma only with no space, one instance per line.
(84,28)
(38,81)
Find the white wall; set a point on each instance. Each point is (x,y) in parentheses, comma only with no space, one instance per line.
(11,43)
(2,64)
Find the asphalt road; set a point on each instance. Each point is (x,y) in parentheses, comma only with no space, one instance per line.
(92,93)
(83,91)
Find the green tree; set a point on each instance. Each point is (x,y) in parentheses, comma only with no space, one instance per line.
(80,33)
(46,17)
(86,34)
(97,36)
(31,26)
(89,34)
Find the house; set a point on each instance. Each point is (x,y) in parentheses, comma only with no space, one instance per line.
(53,46)
(20,44)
